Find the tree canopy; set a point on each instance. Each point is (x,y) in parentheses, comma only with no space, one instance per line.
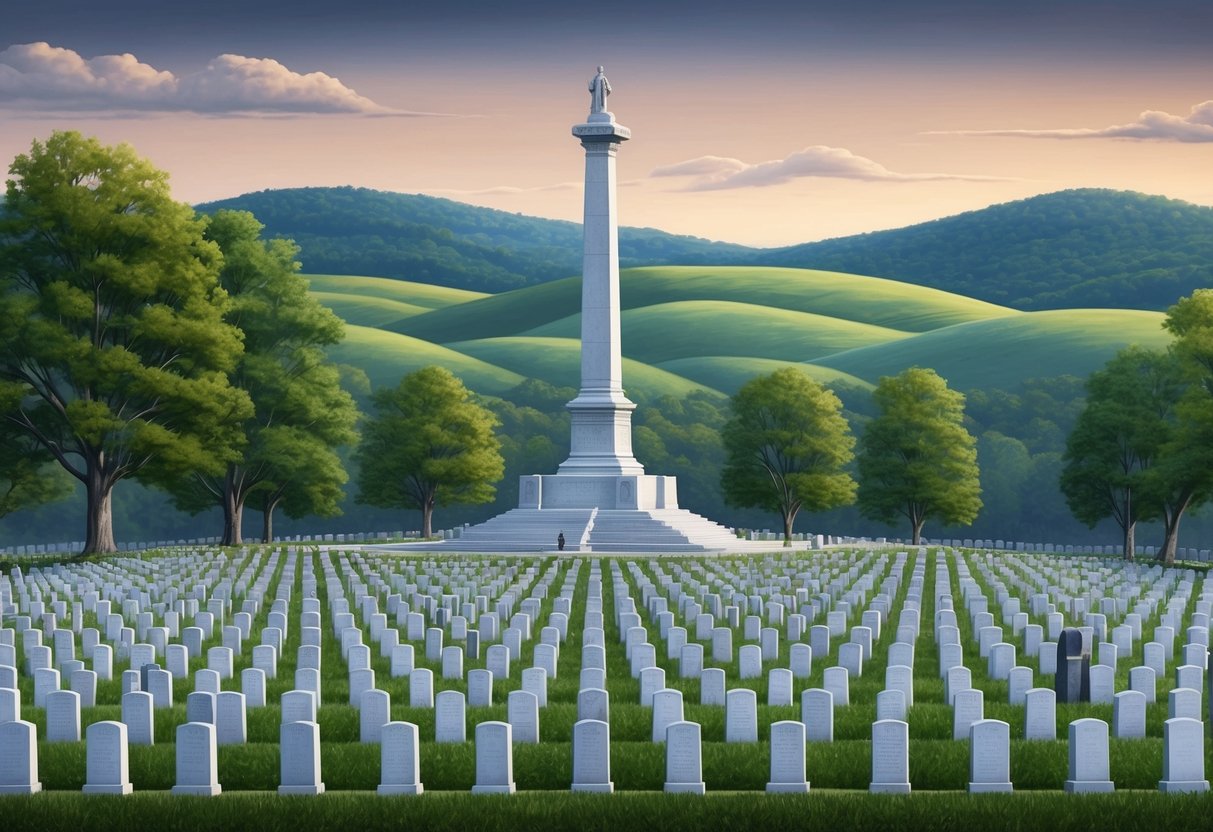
(1130,456)
(787,446)
(916,458)
(428,444)
(113,347)
(301,413)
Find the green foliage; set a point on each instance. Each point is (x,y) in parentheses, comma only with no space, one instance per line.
(1084,247)
(428,444)
(787,447)
(432,240)
(113,348)
(29,476)
(916,458)
(1125,458)
(301,413)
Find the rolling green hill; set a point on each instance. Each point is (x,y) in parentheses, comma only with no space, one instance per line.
(423,295)
(1004,352)
(364,310)
(386,357)
(433,240)
(688,328)
(864,300)
(728,373)
(1079,248)
(558,361)
(692,328)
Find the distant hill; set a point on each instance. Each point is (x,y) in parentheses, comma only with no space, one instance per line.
(687,328)
(430,240)
(1079,248)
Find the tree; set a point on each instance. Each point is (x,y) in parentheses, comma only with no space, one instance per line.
(306,478)
(787,446)
(428,444)
(29,476)
(916,458)
(112,339)
(1129,457)
(300,410)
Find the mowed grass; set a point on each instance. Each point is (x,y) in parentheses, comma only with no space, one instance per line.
(367,310)
(1006,351)
(558,361)
(727,373)
(424,295)
(820,809)
(865,300)
(694,328)
(386,357)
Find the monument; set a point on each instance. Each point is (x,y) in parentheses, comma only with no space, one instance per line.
(600,498)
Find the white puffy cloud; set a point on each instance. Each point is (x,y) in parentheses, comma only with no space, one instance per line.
(1154,125)
(718,172)
(39,76)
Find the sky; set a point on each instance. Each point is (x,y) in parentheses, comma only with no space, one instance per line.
(764,123)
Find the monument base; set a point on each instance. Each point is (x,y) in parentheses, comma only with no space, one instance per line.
(787,788)
(1179,786)
(685,788)
(600,491)
(1089,786)
(594,788)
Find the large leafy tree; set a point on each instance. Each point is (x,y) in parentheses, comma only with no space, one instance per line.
(300,410)
(916,459)
(112,339)
(428,444)
(1129,456)
(28,474)
(787,446)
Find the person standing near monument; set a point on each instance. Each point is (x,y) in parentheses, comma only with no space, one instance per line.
(560,541)
(600,88)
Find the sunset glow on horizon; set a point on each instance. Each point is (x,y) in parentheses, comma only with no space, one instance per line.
(769,126)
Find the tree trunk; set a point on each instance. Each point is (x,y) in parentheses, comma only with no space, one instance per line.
(427,517)
(917,518)
(1130,545)
(267,521)
(917,541)
(233,513)
(1170,538)
(789,519)
(99,518)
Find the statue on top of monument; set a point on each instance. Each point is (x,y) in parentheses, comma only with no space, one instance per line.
(600,88)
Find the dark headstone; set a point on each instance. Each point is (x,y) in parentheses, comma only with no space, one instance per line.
(472,648)
(1073,680)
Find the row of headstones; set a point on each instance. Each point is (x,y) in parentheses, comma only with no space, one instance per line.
(989,766)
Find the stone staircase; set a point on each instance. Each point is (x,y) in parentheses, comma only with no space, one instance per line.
(657,531)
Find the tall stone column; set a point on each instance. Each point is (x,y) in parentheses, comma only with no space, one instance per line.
(601,415)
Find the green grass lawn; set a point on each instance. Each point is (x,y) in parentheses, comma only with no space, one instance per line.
(425,295)
(366,310)
(728,373)
(1003,352)
(386,357)
(735,773)
(693,328)
(558,361)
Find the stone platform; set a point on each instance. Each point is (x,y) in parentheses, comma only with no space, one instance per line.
(656,531)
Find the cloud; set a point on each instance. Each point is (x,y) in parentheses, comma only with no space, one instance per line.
(718,172)
(1152,125)
(39,76)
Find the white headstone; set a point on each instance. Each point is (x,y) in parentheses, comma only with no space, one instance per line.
(106,759)
(890,757)
(683,759)
(592,756)
(197,765)
(788,758)
(299,746)
(494,758)
(400,759)
(1089,762)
